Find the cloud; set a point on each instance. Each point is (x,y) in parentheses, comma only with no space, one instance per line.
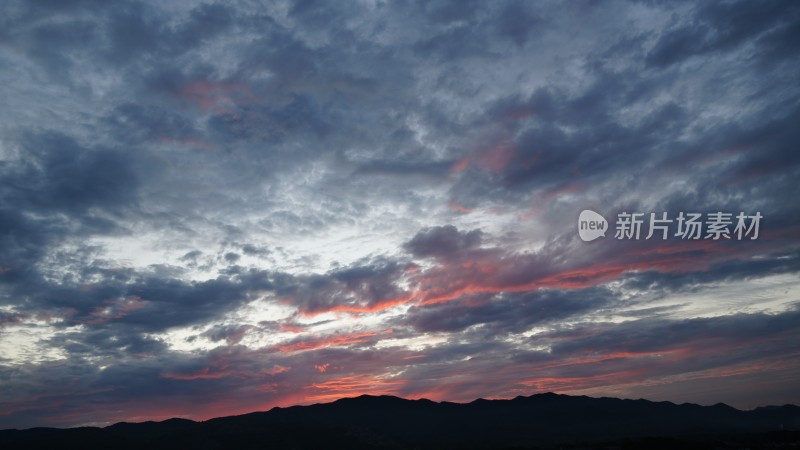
(443,242)
(221,208)
(359,288)
(508,313)
(719,28)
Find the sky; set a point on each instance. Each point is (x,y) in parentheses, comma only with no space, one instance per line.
(213,208)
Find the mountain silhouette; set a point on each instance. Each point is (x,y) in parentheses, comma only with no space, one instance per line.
(385,422)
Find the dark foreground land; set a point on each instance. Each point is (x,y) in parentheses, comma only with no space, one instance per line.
(543,421)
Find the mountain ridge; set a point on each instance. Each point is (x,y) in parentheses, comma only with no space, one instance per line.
(544,420)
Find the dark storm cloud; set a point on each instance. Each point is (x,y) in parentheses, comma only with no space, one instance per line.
(130,303)
(231,334)
(299,115)
(443,242)
(723,271)
(137,123)
(175,302)
(517,22)
(361,287)
(597,148)
(7,318)
(63,176)
(774,139)
(252,250)
(60,188)
(134,379)
(720,27)
(508,313)
(599,144)
(600,353)
(405,169)
(506,291)
(662,346)
(109,342)
(579,135)
(458,42)
(192,255)
(121,35)
(232,257)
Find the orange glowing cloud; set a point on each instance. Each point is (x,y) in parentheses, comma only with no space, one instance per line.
(352,386)
(291,328)
(488,275)
(566,384)
(336,340)
(361,309)
(490,272)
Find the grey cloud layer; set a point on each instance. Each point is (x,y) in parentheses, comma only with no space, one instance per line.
(239,141)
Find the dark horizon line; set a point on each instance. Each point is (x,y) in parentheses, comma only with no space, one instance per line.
(367,397)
